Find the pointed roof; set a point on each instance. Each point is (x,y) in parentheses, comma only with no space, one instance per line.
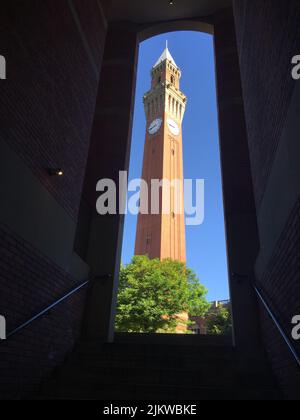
(166,55)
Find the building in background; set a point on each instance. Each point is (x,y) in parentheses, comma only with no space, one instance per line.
(200,324)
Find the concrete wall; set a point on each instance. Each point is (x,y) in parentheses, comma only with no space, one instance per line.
(108,154)
(267,41)
(53,51)
(239,204)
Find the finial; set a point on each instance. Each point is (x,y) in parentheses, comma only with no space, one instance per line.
(166,44)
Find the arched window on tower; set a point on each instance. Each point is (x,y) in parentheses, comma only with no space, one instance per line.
(172,80)
(169,104)
(173,106)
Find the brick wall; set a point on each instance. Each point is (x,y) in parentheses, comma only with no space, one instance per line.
(48,100)
(286,369)
(29,282)
(268,33)
(53,50)
(281,283)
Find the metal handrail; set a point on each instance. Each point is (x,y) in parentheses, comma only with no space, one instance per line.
(279,326)
(49,308)
(82,285)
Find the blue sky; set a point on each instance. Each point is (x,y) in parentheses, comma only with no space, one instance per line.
(193,53)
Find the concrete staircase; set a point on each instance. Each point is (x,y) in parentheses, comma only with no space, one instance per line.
(160,368)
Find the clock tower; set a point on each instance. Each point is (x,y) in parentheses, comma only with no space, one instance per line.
(161,233)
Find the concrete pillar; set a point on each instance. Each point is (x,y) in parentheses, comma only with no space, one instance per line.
(239,205)
(109,154)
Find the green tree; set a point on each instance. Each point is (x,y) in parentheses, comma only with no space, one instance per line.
(219,321)
(153,292)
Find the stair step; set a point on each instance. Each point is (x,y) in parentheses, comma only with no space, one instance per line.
(170,377)
(142,392)
(132,362)
(125,350)
(194,365)
(151,371)
(175,339)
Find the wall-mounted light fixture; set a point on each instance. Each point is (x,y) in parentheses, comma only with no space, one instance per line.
(56,172)
(171,3)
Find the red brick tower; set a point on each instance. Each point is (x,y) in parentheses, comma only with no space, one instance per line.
(162,235)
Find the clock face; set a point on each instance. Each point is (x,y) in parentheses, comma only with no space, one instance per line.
(173,127)
(155,126)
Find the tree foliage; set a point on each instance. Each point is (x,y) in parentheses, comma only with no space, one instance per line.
(153,292)
(219,321)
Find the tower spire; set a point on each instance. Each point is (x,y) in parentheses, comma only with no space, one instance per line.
(166,55)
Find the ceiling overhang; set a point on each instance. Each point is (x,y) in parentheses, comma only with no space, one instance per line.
(155,11)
